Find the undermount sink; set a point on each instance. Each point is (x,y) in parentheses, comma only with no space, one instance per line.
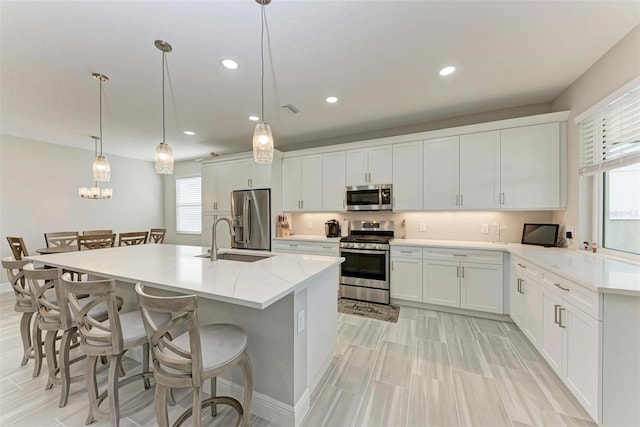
(232,256)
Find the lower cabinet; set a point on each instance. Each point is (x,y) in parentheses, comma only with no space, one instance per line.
(525,298)
(469,279)
(306,247)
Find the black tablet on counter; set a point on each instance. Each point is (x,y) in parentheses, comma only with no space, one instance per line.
(540,234)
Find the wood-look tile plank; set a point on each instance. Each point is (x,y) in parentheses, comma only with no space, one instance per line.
(431,360)
(456,325)
(486,326)
(498,351)
(466,355)
(525,402)
(429,328)
(354,370)
(334,407)
(394,364)
(521,344)
(369,334)
(431,402)
(577,422)
(402,332)
(479,403)
(383,405)
(407,313)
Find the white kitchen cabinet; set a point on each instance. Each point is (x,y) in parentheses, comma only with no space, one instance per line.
(247,174)
(223,236)
(462,172)
(441,173)
(302,183)
(371,165)
(306,247)
(407,176)
(571,339)
(530,167)
(479,169)
(216,187)
(334,169)
(525,298)
(406,273)
(469,279)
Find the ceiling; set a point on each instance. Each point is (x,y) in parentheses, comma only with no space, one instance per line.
(380,58)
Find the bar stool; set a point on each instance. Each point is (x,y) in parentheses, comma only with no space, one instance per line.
(110,337)
(25,304)
(200,354)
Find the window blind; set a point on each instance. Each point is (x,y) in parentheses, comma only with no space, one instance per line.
(610,136)
(188,205)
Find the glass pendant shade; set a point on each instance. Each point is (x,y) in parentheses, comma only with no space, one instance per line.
(164,159)
(262,144)
(95,192)
(101,169)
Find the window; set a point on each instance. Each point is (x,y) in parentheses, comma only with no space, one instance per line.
(188,205)
(610,155)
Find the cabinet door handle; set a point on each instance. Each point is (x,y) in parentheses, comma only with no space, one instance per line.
(560,317)
(556,314)
(365,177)
(458,271)
(457,200)
(461,200)
(392,264)
(344,203)
(302,203)
(463,271)
(518,287)
(459,254)
(502,198)
(523,266)
(557,285)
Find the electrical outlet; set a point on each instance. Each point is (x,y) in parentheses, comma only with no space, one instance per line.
(309,225)
(423,226)
(484,228)
(301,321)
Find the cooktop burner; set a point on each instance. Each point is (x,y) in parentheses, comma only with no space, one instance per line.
(368,235)
(366,239)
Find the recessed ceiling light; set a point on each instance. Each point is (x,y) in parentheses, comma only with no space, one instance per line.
(230,64)
(331,99)
(189,132)
(447,70)
(254,118)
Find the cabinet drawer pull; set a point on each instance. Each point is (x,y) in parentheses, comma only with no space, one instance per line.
(560,317)
(459,254)
(405,252)
(523,266)
(557,285)
(556,314)
(293,246)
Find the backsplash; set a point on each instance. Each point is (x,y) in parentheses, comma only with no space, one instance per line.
(438,225)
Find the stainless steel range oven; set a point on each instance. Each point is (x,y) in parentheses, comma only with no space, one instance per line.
(365,273)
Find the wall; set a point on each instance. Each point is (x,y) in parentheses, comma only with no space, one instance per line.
(617,67)
(439,225)
(180,170)
(39,193)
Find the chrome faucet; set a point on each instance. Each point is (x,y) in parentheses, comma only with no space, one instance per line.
(214,245)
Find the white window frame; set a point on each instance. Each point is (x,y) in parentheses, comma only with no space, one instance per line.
(177,206)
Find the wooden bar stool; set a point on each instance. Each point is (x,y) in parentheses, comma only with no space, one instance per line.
(25,304)
(110,338)
(200,354)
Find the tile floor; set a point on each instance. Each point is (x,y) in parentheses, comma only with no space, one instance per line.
(429,369)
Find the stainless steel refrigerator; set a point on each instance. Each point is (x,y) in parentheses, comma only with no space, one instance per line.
(251,216)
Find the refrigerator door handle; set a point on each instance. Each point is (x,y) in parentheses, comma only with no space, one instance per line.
(246,223)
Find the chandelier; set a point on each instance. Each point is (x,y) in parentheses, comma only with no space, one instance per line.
(95,192)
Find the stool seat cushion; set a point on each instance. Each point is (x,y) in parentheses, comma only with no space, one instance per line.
(220,343)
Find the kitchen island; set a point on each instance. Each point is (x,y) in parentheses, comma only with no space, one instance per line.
(286,303)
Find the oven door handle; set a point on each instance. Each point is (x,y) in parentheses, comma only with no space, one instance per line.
(362,251)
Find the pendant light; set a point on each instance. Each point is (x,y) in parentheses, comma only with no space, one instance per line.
(262,137)
(101,169)
(164,155)
(95,192)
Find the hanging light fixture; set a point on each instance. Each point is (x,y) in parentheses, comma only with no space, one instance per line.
(262,137)
(95,192)
(101,168)
(164,155)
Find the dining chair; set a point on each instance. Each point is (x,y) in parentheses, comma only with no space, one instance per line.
(61,239)
(25,304)
(156,235)
(191,358)
(91,232)
(96,241)
(108,337)
(133,238)
(18,248)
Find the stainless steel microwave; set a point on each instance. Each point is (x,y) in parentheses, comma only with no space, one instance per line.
(369,198)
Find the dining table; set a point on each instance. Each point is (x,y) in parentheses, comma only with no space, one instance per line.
(57,250)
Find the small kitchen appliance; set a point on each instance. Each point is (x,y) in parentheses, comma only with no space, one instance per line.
(369,197)
(332,228)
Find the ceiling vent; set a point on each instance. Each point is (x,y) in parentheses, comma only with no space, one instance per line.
(291,108)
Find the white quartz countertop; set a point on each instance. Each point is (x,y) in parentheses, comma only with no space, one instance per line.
(595,271)
(176,268)
(310,238)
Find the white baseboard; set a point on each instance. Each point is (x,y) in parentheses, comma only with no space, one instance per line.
(268,408)
(454,310)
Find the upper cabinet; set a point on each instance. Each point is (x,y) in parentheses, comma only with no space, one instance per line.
(407,176)
(216,187)
(369,165)
(248,175)
(302,183)
(334,166)
(530,167)
(461,172)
